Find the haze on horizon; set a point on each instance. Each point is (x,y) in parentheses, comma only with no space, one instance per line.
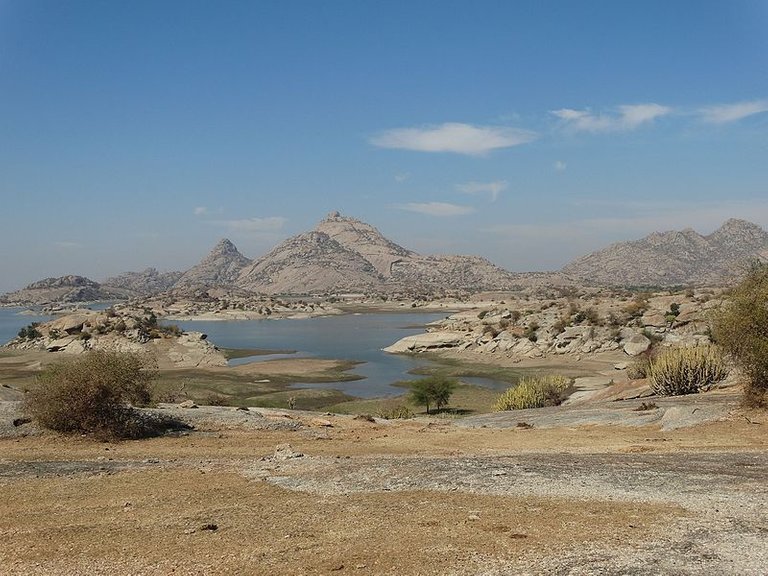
(138,134)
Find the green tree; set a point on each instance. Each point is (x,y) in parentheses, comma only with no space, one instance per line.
(740,327)
(433,390)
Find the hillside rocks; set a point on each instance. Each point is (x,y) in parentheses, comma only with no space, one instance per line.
(144,283)
(121,331)
(221,267)
(64,289)
(675,258)
(527,327)
(346,255)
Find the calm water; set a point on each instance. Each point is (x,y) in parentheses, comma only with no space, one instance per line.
(358,337)
(11,321)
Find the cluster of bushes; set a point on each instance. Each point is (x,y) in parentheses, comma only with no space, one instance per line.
(30,332)
(534,393)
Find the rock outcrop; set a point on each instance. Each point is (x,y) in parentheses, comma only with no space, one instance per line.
(121,331)
(675,258)
(64,289)
(144,283)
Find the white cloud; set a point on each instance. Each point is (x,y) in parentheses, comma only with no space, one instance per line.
(724,113)
(436,208)
(402,177)
(491,188)
(453,137)
(201,211)
(560,166)
(269,224)
(627,117)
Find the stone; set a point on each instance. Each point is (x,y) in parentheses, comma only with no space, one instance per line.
(188,404)
(321,422)
(426,341)
(637,345)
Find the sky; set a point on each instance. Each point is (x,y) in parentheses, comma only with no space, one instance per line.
(139,133)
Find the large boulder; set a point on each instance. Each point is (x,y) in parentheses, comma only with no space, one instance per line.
(426,341)
(636,345)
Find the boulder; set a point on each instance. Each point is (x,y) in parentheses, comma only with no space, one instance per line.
(426,341)
(636,345)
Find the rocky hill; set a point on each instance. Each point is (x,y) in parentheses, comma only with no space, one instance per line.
(64,289)
(221,267)
(345,254)
(675,258)
(144,283)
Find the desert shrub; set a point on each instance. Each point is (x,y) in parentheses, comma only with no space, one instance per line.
(639,368)
(681,371)
(741,328)
(531,331)
(93,394)
(399,412)
(215,399)
(30,332)
(534,393)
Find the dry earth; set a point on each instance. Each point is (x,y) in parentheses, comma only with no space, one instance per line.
(277,492)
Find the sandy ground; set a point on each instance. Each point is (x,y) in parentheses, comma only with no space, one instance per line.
(279,492)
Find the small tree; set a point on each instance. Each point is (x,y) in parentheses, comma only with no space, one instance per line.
(741,328)
(434,390)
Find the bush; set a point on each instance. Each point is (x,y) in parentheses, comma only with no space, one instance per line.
(396,413)
(435,390)
(92,394)
(681,371)
(534,393)
(741,328)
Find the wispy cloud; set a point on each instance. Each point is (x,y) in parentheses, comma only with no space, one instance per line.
(65,245)
(491,188)
(453,137)
(201,211)
(560,166)
(269,224)
(724,113)
(627,117)
(402,177)
(436,208)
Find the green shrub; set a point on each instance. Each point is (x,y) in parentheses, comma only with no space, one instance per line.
(681,371)
(741,328)
(534,393)
(92,394)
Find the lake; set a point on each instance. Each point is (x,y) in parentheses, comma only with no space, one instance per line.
(358,337)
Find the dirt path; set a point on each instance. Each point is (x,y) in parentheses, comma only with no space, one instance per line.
(283,493)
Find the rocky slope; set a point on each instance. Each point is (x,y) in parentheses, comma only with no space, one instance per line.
(65,289)
(675,258)
(345,254)
(144,283)
(221,267)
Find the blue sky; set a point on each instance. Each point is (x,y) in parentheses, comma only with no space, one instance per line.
(137,134)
